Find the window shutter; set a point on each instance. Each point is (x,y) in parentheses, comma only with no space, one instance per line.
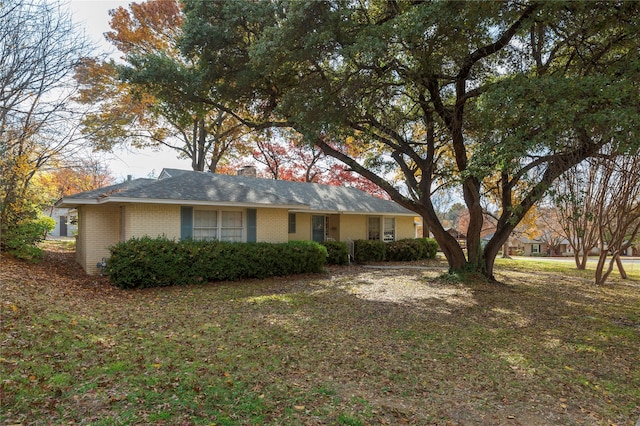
(251,225)
(186,223)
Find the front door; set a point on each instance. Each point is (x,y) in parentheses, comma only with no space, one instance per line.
(317,228)
(63,226)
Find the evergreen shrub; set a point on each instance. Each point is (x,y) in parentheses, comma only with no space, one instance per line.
(21,240)
(430,247)
(411,249)
(369,250)
(405,250)
(337,252)
(156,262)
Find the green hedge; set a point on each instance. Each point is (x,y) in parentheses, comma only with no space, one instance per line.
(405,250)
(337,252)
(156,262)
(430,247)
(368,250)
(411,249)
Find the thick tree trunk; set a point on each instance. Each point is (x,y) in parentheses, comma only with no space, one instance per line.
(471,191)
(447,243)
(450,247)
(489,254)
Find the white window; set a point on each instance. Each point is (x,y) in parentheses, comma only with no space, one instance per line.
(535,248)
(205,225)
(373,228)
(231,228)
(389,229)
(222,225)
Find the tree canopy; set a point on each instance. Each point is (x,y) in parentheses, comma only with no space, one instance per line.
(462,96)
(142,102)
(40,46)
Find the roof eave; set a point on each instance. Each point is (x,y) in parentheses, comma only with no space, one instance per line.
(362,212)
(129,200)
(70,203)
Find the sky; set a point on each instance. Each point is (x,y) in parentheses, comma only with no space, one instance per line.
(93,15)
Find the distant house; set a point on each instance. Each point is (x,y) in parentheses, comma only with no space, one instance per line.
(186,204)
(537,247)
(65,222)
(633,250)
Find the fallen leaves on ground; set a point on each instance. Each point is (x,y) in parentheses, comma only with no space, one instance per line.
(353,346)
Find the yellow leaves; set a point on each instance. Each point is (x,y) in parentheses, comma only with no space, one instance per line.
(146,26)
(69,180)
(10,306)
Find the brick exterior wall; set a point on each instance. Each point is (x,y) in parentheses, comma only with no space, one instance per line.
(98,229)
(303,228)
(353,227)
(272,225)
(405,227)
(153,220)
(349,227)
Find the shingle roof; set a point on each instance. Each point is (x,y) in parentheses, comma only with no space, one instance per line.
(208,188)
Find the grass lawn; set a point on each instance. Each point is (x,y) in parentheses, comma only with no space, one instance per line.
(354,346)
(564,265)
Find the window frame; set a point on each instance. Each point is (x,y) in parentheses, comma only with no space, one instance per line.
(199,229)
(379,230)
(242,228)
(385,231)
(219,229)
(292,223)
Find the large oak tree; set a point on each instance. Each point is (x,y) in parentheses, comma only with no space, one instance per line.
(464,96)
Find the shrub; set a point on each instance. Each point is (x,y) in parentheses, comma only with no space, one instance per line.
(154,262)
(21,239)
(411,249)
(404,250)
(369,250)
(429,247)
(144,262)
(337,252)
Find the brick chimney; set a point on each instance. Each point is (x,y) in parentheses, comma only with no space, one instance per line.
(247,171)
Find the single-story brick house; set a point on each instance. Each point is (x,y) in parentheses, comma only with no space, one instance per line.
(541,248)
(184,204)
